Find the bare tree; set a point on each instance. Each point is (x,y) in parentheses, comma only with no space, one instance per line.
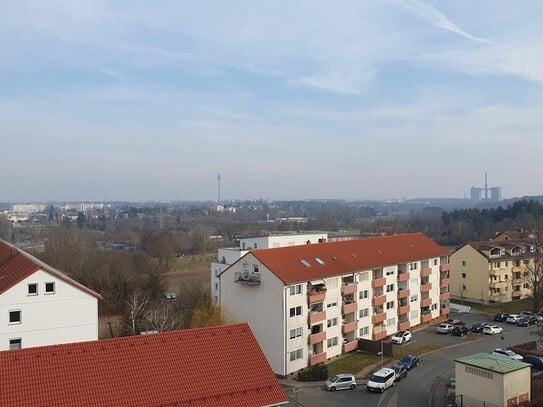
(161,318)
(136,307)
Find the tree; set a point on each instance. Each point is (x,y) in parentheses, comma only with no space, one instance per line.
(81,220)
(136,308)
(534,277)
(161,317)
(207,315)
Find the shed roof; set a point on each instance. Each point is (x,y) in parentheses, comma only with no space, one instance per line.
(491,362)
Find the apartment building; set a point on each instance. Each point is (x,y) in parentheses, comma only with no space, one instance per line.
(493,271)
(306,304)
(229,255)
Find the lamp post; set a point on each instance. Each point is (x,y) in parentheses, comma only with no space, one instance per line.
(382,353)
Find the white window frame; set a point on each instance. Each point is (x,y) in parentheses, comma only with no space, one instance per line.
(296,289)
(330,343)
(46,292)
(35,285)
(13,341)
(331,322)
(296,333)
(296,354)
(297,311)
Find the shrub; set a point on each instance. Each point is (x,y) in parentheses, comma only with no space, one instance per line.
(317,372)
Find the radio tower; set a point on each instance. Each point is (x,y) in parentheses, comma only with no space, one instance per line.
(219,188)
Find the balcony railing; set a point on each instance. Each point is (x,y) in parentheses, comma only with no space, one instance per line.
(316,359)
(445,311)
(315,317)
(348,289)
(350,327)
(403,276)
(498,284)
(425,272)
(379,282)
(404,293)
(517,281)
(444,282)
(348,308)
(245,277)
(517,269)
(403,309)
(445,296)
(498,272)
(517,293)
(402,326)
(377,336)
(316,338)
(379,300)
(424,288)
(316,296)
(350,346)
(378,318)
(426,317)
(444,267)
(426,302)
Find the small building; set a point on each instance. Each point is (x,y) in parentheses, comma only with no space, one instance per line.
(487,380)
(39,305)
(212,367)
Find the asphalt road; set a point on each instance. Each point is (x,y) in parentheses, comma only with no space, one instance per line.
(417,389)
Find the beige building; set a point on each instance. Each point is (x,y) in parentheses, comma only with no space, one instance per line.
(312,302)
(492,271)
(487,380)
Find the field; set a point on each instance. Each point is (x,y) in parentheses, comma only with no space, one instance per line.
(189,268)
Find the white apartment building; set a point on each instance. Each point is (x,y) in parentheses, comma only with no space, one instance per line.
(41,306)
(306,304)
(229,255)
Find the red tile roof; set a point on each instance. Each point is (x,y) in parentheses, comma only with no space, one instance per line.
(16,265)
(213,367)
(346,256)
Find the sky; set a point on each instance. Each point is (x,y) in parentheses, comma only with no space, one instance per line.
(387,99)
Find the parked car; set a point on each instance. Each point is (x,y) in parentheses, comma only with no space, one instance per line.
(340,382)
(501,317)
(381,380)
(410,361)
(527,320)
(512,318)
(535,361)
(401,371)
(401,337)
(444,328)
(492,330)
(532,314)
(507,353)
(478,327)
(460,330)
(455,322)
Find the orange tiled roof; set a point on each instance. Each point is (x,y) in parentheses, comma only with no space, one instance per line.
(212,367)
(346,256)
(16,265)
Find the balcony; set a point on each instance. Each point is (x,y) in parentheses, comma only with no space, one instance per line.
(445,296)
(517,269)
(379,282)
(444,267)
(316,359)
(315,317)
(444,282)
(247,278)
(403,326)
(445,311)
(404,293)
(350,346)
(316,338)
(380,300)
(424,288)
(518,281)
(426,317)
(502,272)
(425,272)
(350,327)
(348,289)
(497,297)
(403,309)
(516,294)
(377,336)
(403,276)
(316,296)
(498,284)
(378,318)
(426,302)
(348,308)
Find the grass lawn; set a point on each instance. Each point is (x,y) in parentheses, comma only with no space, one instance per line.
(513,307)
(352,364)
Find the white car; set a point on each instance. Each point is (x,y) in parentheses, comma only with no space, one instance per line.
(381,380)
(492,330)
(444,328)
(507,353)
(401,337)
(513,318)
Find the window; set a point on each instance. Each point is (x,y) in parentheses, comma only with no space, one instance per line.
(390,272)
(331,342)
(390,304)
(433,307)
(331,322)
(32,289)
(320,261)
(15,344)
(216,286)
(463,275)
(414,298)
(296,354)
(49,288)
(255,268)
(363,313)
(464,263)
(305,263)
(390,288)
(435,262)
(296,333)
(15,317)
(255,246)
(364,276)
(296,311)
(363,294)
(391,321)
(497,265)
(464,288)
(364,331)
(295,289)
(412,266)
(332,303)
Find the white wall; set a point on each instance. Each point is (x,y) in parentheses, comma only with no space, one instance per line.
(68,315)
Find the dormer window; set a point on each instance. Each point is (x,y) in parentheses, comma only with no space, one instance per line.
(32,289)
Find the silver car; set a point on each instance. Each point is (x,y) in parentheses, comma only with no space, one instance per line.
(341,382)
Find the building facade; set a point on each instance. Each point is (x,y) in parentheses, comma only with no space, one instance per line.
(41,306)
(309,303)
(493,271)
(229,255)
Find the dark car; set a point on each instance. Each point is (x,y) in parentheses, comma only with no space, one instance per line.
(527,320)
(410,361)
(478,327)
(460,330)
(501,317)
(455,322)
(535,361)
(401,371)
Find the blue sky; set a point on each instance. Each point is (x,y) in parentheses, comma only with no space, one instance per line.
(138,100)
